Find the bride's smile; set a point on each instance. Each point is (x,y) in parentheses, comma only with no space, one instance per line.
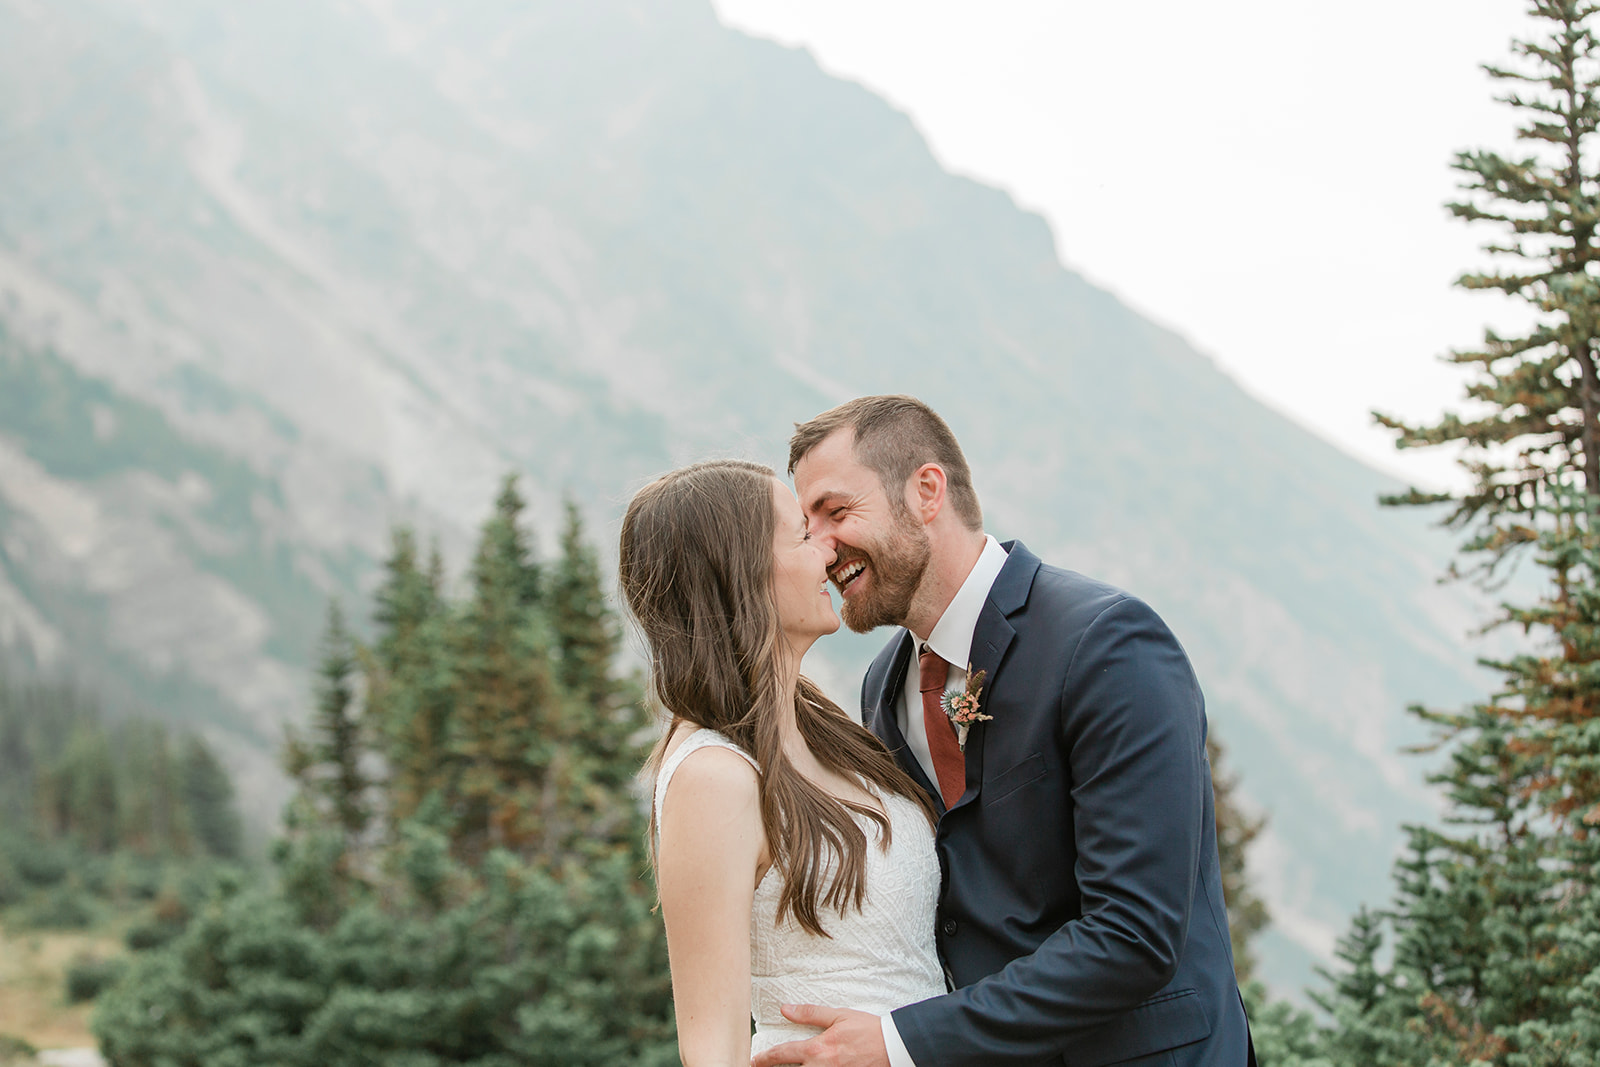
(799,575)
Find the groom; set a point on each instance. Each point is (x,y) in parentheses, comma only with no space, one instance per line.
(1081,918)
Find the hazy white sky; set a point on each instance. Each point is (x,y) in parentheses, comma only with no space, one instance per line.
(1266,178)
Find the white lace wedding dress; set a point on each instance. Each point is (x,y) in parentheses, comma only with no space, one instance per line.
(877,959)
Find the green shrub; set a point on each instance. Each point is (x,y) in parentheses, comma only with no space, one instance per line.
(89,976)
(1284,1035)
(15,1052)
(56,909)
(94,874)
(521,967)
(139,877)
(40,863)
(152,933)
(12,886)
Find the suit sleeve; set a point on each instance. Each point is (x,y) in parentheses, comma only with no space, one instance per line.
(1132,729)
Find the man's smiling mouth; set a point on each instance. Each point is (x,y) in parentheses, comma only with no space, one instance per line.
(848,573)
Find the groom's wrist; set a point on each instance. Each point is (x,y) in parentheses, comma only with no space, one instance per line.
(898,1056)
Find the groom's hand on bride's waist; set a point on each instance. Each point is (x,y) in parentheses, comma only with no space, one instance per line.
(848,1039)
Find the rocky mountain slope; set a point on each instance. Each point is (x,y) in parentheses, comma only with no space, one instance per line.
(274,276)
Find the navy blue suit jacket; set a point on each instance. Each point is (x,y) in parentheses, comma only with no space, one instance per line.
(1081,917)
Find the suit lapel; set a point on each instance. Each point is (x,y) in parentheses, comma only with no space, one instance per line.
(886,717)
(990,640)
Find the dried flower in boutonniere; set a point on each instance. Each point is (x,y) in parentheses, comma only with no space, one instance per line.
(962,708)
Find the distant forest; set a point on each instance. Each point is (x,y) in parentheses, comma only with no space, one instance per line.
(70,778)
(106,825)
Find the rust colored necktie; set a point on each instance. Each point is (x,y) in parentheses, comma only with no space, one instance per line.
(949,764)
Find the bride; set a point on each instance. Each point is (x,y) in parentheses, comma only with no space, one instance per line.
(795,860)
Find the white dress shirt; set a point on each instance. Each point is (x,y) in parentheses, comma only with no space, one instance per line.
(952,640)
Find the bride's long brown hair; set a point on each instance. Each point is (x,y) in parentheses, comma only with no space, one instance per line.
(696,569)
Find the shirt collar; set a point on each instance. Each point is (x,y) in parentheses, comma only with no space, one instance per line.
(952,634)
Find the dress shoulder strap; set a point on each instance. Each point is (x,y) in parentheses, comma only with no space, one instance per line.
(701,738)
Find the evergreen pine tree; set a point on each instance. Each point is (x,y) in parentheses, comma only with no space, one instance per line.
(1247,912)
(410,687)
(1480,968)
(153,820)
(334,802)
(339,745)
(508,712)
(83,788)
(505,551)
(1359,1004)
(207,792)
(600,752)
(1283,1035)
(1538,393)
(16,765)
(1485,968)
(587,636)
(1575,1037)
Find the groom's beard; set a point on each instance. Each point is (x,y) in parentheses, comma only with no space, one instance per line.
(895,568)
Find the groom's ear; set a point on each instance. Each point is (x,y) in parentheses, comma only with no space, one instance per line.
(925,492)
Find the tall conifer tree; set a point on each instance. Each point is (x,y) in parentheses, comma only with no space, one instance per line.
(1481,971)
(1360,1001)
(16,764)
(1236,829)
(607,712)
(508,711)
(410,688)
(87,804)
(330,762)
(152,811)
(207,790)
(586,631)
(1537,426)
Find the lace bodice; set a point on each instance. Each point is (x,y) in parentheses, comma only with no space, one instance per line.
(878,958)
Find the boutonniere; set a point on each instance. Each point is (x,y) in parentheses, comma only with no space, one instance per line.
(962,708)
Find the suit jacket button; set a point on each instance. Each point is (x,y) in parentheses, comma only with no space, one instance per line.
(950,928)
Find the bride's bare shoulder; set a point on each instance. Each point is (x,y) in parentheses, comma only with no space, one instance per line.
(712,775)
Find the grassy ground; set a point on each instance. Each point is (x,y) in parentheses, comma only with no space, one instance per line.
(33,998)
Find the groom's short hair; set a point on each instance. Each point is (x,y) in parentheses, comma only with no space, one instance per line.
(894,435)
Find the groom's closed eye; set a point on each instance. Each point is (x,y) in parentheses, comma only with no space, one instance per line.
(828,503)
